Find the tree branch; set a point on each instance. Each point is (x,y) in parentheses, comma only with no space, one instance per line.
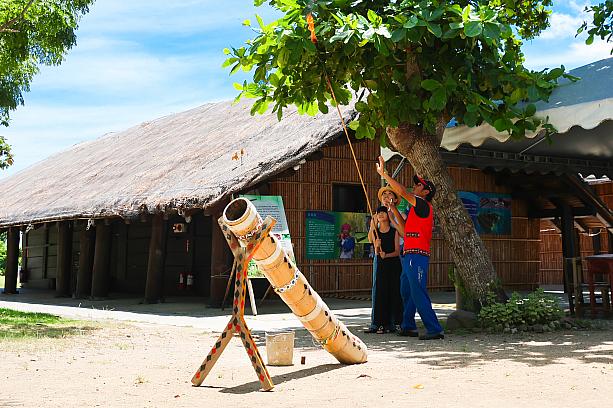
(5,28)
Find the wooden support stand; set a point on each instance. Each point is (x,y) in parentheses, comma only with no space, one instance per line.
(237,324)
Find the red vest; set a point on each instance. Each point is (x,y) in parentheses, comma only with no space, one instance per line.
(418,233)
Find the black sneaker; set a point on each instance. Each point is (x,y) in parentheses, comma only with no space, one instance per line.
(408,333)
(437,336)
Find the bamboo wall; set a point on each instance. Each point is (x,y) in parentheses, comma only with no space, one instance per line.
(515,257)
(551,272)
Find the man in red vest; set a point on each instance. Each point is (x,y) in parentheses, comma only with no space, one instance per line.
(416,256)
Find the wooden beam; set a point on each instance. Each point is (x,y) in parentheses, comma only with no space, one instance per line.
(64,258)
(558,213)
(155,265)
(84,273)
(100,271)
(12,261)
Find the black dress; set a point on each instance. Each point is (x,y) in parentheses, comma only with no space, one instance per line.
(388,303)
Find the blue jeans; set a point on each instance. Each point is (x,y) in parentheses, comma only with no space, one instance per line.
(413,281)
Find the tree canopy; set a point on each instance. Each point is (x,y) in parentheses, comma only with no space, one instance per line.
(602,23)
(420,62)
(32,33)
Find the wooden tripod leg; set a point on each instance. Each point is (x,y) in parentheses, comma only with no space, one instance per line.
(266,294)
(254,309)
(225,296)
(254,356)
(211,359)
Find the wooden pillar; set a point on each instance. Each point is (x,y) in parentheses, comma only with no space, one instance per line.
(596,243)
(84,274)
(570,248)
(155,264)
(12,261)
(24,257)
(100,271)
(64,258)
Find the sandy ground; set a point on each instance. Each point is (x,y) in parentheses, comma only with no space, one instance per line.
(119,364)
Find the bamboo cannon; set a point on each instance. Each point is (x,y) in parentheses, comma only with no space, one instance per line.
(245,223)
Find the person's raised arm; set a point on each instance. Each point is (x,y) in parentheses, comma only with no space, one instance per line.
(396,186)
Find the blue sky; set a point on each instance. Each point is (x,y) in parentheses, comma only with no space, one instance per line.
(138,60)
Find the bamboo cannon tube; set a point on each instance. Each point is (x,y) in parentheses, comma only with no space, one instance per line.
(243,220)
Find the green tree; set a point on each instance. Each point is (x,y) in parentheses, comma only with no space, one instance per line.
(602,23)
(414,65)
(32,33)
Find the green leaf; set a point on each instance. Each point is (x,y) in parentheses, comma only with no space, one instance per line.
(398,35)
(501,124)
(372,16)
(430,84)
(473,28)
(361,132)
(226,51)
(466,13)
(229,62)
(353,125)
(491,30)
(237,86)
(438,100)
(323,108)
(450,34)
(260,21)
(530,109)
(361,106)
(435,29)
(590,39)
(411,22)
(470,119)
(247,23)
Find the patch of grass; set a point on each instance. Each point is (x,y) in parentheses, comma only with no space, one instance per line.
(26,325)
(1,281)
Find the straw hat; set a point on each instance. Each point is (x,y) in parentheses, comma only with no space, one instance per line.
(383,189)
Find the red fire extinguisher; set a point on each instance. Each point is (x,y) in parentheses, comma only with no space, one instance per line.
(181,280)
(190,280)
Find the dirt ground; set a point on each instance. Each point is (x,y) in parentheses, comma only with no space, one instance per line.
(148,365)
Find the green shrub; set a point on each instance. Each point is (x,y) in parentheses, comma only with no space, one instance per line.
(536,308)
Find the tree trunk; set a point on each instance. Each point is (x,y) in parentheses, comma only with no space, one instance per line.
(470,256)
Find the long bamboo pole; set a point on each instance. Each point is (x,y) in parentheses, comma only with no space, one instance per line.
(243,220)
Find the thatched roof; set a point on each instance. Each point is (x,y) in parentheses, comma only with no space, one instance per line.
(176,162)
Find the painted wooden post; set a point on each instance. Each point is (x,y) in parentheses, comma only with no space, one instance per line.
(84,274)
(155,265)
(12,261)
(64,257)
(100,271)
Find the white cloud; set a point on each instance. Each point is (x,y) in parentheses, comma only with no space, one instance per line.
(575,55)
(562,26)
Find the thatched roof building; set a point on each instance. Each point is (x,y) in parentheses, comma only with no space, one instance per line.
(178,161)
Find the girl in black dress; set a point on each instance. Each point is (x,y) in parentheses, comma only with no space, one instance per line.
(388,304)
